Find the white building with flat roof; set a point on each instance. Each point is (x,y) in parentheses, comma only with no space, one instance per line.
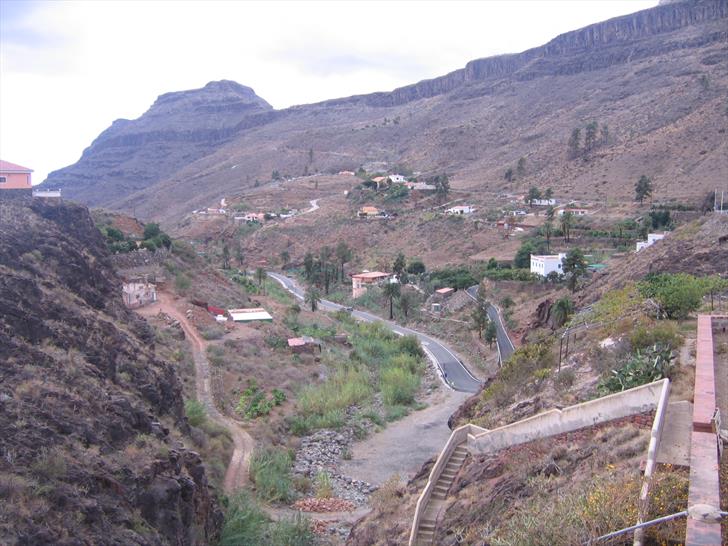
(545,264)
(652,238)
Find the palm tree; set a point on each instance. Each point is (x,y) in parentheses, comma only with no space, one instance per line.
(491,334)
(391,291)
(479,319)
(313,297)
(567,220)
(548,227)
(560,312)
(406,303)
(260,276)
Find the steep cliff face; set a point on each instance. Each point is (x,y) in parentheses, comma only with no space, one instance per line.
(597,46)
(179,128)
(91,422)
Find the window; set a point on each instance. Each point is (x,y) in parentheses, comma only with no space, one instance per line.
(3,180)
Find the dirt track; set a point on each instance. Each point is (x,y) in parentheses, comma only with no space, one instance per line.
(237,471)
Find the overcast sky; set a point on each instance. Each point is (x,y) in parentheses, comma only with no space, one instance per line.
(68,69)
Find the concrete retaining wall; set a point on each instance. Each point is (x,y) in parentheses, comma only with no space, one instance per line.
(638,400)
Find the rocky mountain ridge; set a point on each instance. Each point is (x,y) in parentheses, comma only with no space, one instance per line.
(652,77)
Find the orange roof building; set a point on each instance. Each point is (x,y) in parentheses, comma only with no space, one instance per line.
(14,177)
(360,282)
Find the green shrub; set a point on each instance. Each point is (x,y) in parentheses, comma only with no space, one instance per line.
(254,403)
(215,353)
(343,389)
(270,470)
(278,396)
(398,386)
(245,522)
(395,413)
(641,368)
(182,282)
(213,332)
(292,532)
(664,333)
(411,345)
(678,294)
(324,489)
(564,379)
(196,413)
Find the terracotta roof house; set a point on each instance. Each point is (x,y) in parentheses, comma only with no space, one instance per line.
(360,282)
(305,344)
(14,177)
(365,212)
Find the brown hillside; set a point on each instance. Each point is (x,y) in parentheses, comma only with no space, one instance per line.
(657,78)
(91,421)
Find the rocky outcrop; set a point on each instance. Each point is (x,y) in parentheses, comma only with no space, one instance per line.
(178,129)
(92,424)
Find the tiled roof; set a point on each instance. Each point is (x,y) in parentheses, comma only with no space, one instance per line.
(6,166)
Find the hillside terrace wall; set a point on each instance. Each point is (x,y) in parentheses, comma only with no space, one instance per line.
(550,423)
(139,258)
(704,454)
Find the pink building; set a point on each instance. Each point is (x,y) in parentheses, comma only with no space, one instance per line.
(14,177)
(361,281)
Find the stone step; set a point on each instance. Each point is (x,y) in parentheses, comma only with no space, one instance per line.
(429,526)
(439,496)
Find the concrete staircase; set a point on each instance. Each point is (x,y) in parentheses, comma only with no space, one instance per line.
(428,523)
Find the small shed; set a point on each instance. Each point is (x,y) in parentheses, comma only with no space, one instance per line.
(138,294)
(444,293)
(304,344)
(250,315)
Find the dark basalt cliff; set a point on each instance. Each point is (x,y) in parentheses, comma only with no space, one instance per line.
(91,422)
(179,128)
(591,48)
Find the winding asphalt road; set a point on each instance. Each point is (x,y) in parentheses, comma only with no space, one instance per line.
(505,345)
(452,370)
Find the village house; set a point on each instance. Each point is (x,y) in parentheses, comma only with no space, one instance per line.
(444,293)
(543,202)
(14,177)
(346,173)
(652,238)
(360,282)
(461,209)
(545,264)
(252,217)
(397,179)
(250,315)
(575,212)
(305,344)
(420,186)
(138,294)
(368,212)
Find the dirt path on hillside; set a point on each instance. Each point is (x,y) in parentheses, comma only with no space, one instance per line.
(237,471)
(237,474)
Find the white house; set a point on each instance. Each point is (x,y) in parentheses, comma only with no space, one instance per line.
(545,264)
(397,178)
(652,238)
(544,202)
(461,209)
